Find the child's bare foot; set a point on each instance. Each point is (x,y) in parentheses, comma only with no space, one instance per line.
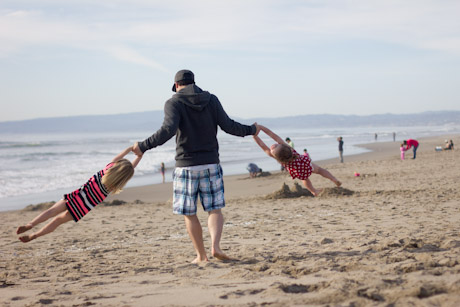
(22,229)
(27,238)
(338,183)
(317,192)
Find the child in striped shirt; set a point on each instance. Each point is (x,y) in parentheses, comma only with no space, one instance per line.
(77,204)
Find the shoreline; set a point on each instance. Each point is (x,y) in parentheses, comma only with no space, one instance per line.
(235,185)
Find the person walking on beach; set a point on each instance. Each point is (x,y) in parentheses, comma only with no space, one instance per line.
(411,143)
(77,204)
(298,166)
(193,116)
(162,170)
(289,142)
(340,140)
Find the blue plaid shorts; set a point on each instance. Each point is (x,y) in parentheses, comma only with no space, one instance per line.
(208,183)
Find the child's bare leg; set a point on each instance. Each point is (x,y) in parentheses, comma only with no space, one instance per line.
(45,215)
(215,226)
(196,235)
(307,183)
(326,174)
(50,227)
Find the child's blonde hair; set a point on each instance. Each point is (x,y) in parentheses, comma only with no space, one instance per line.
(284,154)
(118,175)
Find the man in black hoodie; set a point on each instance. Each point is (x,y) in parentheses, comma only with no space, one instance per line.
(193,115)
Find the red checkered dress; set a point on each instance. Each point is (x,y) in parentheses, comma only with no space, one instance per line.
(300,167)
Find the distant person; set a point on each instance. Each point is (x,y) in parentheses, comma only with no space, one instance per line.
(375,137)
(340,140)
(162,170)
(194,116)
(394,136)
(411,143)
(305,153)
(289,142)
(449,145)
(77,204)
(298,166)
(254,170)
(403,149)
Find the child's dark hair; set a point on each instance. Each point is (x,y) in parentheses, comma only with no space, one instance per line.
(284,154)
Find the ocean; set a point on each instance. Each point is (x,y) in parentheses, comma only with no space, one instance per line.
(36,168)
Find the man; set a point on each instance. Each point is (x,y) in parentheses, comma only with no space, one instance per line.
(193,115)
(340,140)
(411,143)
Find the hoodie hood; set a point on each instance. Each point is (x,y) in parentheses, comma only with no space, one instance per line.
(193,96)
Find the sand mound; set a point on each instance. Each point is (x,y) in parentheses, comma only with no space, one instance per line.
(298,191)
(334,192)
(39,207)
(286,192)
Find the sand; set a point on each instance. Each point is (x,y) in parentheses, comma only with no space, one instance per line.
(387,238)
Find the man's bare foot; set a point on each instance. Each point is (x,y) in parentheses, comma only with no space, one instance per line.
(200,260)
(22,229)
(221,256)
(338,183)
(26,238)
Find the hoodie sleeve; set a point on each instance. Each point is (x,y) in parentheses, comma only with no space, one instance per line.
(167,131)
(229,125)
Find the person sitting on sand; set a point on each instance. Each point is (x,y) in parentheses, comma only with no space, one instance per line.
(254,170)
(449,145)
(298,166)
(77,204)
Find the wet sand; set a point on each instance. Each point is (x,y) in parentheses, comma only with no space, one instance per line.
(387,238)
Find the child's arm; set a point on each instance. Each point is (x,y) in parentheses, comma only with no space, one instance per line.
(273,135)
(136,161)
(122,154)
(262,145)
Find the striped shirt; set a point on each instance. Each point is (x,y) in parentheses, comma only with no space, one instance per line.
(88,196)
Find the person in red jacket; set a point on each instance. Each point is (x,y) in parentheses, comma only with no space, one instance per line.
(411,143)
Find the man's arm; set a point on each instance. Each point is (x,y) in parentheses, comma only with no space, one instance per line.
(230,126)
(167,131)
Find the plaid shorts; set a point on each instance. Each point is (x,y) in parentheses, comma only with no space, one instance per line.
(208,183)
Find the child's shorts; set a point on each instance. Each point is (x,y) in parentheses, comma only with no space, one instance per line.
(188,184)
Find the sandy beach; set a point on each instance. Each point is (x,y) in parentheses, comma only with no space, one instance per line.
(390,237)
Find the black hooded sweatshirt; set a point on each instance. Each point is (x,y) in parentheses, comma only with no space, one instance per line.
(193,116)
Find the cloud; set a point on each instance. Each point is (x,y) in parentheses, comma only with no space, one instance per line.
(116,27)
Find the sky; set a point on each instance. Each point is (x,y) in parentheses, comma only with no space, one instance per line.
(262,58)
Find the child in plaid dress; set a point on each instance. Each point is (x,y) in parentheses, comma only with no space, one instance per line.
(298,166)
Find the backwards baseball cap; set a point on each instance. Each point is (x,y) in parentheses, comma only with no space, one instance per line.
(183,75)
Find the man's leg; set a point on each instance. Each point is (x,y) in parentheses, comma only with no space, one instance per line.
(196,235)
(215,226)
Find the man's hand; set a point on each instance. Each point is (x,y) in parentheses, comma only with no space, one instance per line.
(257,129)
(137,151)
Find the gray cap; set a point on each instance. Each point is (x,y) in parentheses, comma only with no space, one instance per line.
(181,75)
